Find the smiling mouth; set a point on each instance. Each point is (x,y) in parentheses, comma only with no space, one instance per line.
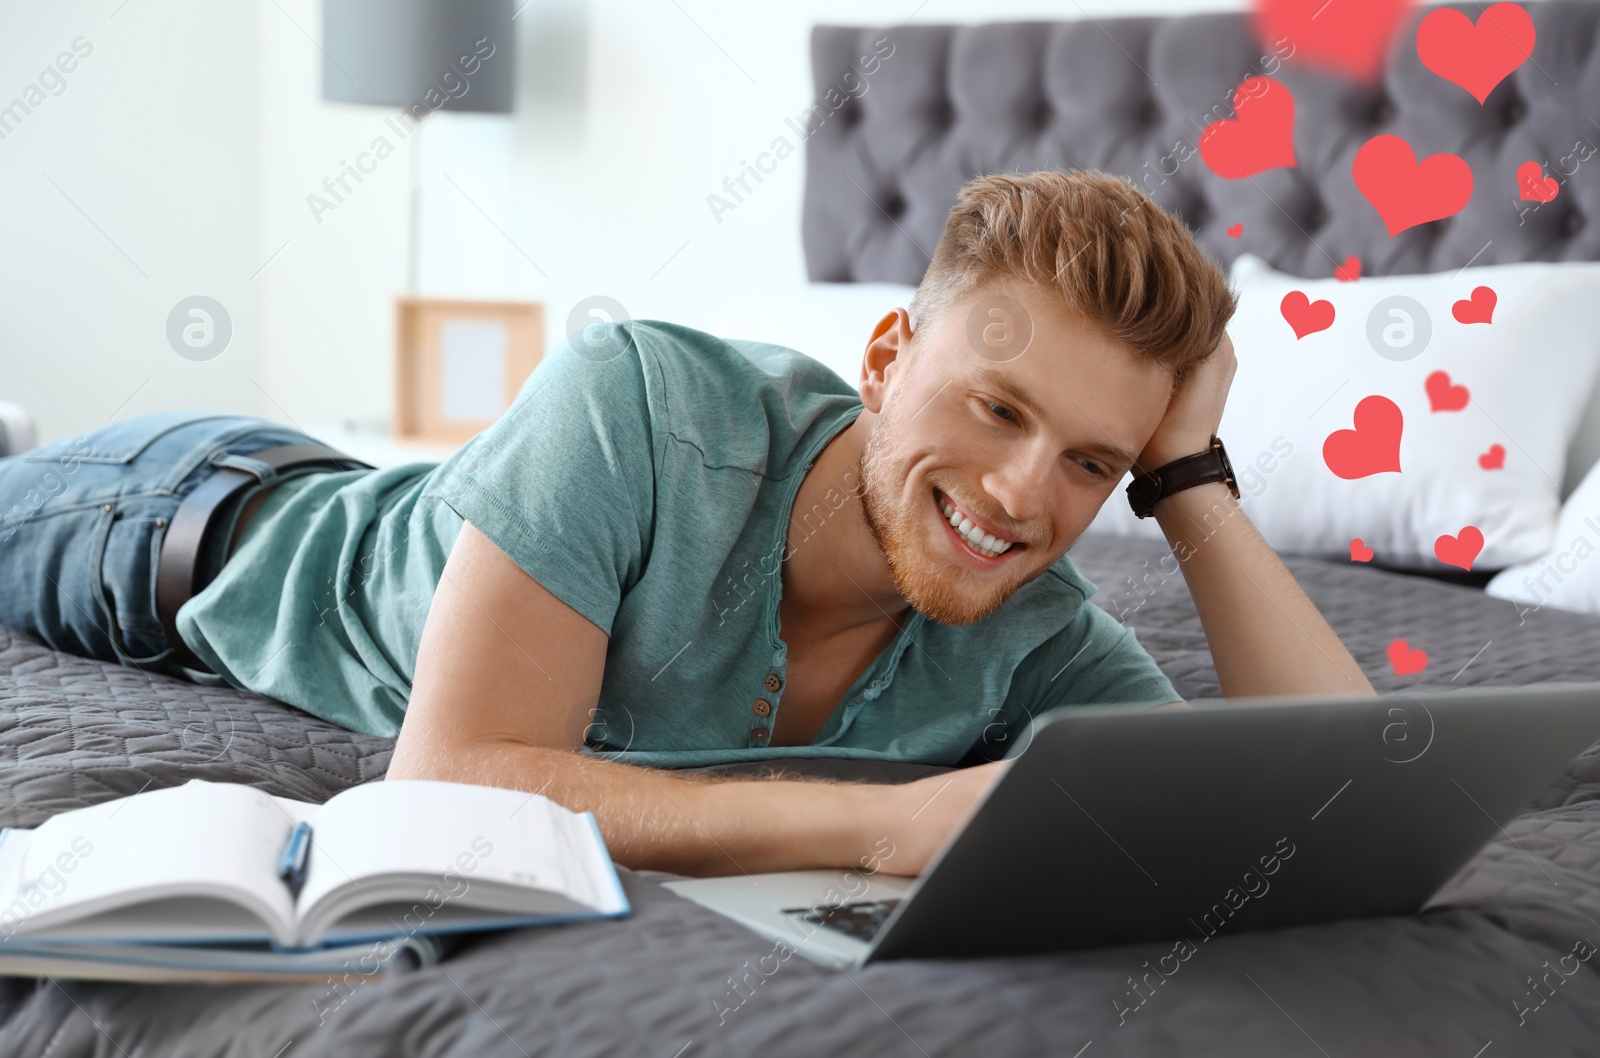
(976,540)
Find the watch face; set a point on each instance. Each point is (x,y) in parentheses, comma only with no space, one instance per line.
(1142,495)
(1227,466)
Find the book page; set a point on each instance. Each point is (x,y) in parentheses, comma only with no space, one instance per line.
(218,839)
(296,810)
(456,834)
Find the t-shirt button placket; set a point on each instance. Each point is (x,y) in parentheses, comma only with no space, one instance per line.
(763,708)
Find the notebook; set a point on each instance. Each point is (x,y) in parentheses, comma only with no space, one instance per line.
(192,877)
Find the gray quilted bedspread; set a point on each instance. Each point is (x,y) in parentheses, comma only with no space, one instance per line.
(75,732)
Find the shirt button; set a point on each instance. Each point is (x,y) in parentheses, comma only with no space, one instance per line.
(763,707)
(758,733)
(774,681)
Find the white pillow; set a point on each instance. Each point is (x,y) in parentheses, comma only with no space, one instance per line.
(1528,372)
(830,322)
(1568,575)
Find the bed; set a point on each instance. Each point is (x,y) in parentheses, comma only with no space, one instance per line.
(75,732)
(1480,972)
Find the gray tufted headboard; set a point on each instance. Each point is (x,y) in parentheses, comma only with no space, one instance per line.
(890,142)
(1131,95)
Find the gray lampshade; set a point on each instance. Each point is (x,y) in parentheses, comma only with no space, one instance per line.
(440,54)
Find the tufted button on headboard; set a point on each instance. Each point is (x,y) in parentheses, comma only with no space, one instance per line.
(1131,95)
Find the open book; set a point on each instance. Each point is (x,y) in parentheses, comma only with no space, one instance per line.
(222,964)
(197,865)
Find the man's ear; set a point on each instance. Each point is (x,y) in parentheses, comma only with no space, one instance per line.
(890,340)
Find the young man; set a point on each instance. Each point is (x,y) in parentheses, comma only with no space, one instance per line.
(677,550)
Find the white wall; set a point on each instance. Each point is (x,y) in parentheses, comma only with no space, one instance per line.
(194,134)
(132,189)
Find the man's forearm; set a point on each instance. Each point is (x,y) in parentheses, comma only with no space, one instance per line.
(696,824)
(1266,636)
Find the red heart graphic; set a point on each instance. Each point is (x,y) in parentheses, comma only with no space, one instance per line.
(1260,138)
(1477,309)
(1404,660)
(1373,447)
(1305,315)
(1359,551)
(1534,184)
(1352,36)
(1406,192)
(1235,230)
(1459,550)
(1494,458)
(1350,271)
(1476,57)
(1442,396)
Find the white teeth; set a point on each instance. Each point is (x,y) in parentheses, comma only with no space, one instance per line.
(982,542)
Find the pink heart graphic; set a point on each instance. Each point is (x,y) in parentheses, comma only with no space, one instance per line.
(1477,309)
(1476,56)
(1461,549)
(1359,551)
(1235,230)
(1261,137)
(1406,661)
(1443,395)
(1406,192)
(1494,458)
(1373,447)
(1304,315)
(1351,37)
(1350,271)
(1534,185)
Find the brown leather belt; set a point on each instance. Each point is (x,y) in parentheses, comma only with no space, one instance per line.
(178,573)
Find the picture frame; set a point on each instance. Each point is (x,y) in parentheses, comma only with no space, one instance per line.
(459,364)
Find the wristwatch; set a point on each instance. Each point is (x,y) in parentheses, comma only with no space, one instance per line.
(1180,474)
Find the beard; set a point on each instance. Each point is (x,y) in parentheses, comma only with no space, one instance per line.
(939,588)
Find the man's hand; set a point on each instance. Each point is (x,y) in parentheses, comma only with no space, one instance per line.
(919,817)
(1195,411)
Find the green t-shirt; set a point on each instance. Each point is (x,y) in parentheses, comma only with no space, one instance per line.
(645,476)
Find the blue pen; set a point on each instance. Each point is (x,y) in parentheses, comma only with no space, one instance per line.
(296,854)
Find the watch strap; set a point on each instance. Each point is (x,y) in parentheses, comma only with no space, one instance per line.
(1184,473)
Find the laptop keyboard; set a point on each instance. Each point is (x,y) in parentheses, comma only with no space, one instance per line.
(860,920)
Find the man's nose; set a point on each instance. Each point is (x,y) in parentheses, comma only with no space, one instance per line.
(1023,483)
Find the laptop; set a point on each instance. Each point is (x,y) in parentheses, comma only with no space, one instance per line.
(1121,826)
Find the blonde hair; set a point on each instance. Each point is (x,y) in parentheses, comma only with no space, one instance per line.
(1114,256)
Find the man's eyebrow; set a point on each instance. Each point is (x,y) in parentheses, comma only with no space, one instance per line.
(1009,389)
(1115,456)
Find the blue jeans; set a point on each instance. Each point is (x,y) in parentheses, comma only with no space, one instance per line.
(82,521)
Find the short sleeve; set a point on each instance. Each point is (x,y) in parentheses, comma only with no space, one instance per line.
(564,481)
(1112,666)
(1094,660)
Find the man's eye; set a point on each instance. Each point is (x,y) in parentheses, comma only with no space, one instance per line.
(1008,417)
(1092,467)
